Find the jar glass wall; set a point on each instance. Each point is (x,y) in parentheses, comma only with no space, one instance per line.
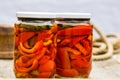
(34,51)
(50,45)
(74,48)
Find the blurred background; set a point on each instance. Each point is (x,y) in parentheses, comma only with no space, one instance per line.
(105,13)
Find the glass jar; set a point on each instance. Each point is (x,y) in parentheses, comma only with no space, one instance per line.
(50,45)
(74,45)
(34,49)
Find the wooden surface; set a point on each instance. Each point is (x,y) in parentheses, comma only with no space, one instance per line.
(101,69)
(6,40)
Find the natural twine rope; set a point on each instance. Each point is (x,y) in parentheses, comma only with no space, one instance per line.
(104,48)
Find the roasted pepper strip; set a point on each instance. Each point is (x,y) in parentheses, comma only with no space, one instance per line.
(80,30)
(64,58)
(53,52)
(21,62)
(73,56)
(53,55)
(48,52)
(36,47)
(80,64)
(26,54)
(75,40)
(76,52)
(58,62)
(87,45)
(30,60)
(24,70)
(81,49)
(43,35)
(47,67)
(44,59)
(67,72)
(24,36)
(26,44)
(41,54)
(55,40)
(90,37)
(64,42)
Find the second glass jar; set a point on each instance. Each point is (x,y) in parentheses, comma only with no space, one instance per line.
(74,48)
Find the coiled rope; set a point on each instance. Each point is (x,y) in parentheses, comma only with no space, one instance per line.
(103,48)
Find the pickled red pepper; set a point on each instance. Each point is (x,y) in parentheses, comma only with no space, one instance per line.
(73,48)
(33,58)
(46,47)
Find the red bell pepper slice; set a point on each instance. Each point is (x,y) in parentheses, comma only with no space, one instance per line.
(80,64)
(37,46)
(75,31)
(81,49)
(43,35)
(64,58)
(72,50)
(44,59)
(64,42)
(24,61)
(26,54)
(26,69)
(49,66)
(87,45)
(24,36)
(67,72)
(75,40)
(73,57)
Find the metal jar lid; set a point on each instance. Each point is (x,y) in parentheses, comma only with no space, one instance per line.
(53,15)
